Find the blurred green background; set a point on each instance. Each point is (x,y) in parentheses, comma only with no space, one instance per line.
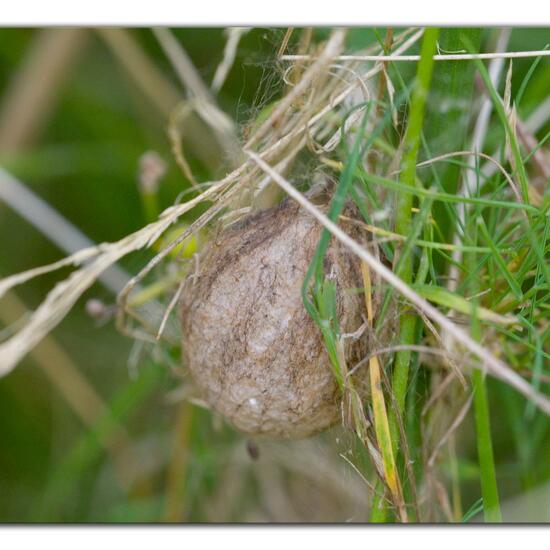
(87,434)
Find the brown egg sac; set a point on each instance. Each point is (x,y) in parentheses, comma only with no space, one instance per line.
(252,349)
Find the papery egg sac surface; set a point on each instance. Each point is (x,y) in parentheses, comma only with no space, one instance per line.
(252,349)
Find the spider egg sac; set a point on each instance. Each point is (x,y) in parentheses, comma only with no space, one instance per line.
(254,352)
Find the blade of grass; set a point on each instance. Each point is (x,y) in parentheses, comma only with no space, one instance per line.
(474,509)
(499,108)
(530,221)
(403,224)
(322,308)
(499,260)
(445,197)
(443,297)
(337,204)
(381,423)
(175,502)
(449,107)
(527,78)
(489,488)
(379,510)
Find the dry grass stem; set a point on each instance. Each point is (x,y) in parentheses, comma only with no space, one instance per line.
(438,57)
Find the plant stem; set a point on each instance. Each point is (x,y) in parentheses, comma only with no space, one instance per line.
(381,424)
(455,480)
(450,99)
(150,205)
(379,510)
(177,470)
(489,489)
(449,107)
(404,216)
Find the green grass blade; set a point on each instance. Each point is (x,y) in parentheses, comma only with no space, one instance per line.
(489,488)
(445,197)
(499,108)
(449,107)
(516,289)
(475,509)
(405,203)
